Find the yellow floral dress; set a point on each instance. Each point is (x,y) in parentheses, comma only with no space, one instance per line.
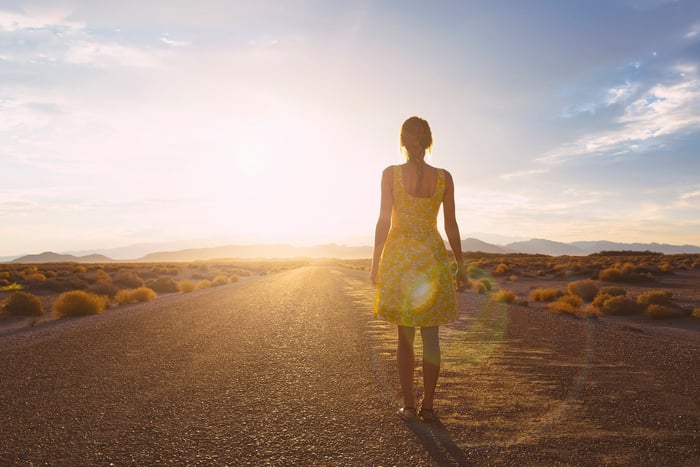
(415,286)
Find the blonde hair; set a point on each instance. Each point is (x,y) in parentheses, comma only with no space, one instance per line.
(416,138)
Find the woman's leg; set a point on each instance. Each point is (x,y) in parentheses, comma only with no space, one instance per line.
(406,363)
(431,363)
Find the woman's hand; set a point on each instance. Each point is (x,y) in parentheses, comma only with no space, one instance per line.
(374,275)
(461,279)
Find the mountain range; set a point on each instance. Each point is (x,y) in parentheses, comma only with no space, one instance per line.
(532,246)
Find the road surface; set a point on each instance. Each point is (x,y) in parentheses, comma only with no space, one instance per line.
(291,369)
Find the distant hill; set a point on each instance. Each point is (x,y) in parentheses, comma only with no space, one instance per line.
(595,247)
(474,244)
(544,247)
(533,246)
(51,257)
(260,251)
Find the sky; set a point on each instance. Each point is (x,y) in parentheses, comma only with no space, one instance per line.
(271,121)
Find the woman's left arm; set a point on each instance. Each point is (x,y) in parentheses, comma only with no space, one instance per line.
(452,230)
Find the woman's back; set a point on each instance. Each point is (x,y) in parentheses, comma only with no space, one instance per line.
(419,181)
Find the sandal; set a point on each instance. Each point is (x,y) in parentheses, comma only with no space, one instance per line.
(427,415)
(408,413)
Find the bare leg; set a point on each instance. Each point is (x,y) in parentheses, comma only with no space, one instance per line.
(406,363)
(431,363)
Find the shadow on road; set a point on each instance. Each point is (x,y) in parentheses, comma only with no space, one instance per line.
(438,443)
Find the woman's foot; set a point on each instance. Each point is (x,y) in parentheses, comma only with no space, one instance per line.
(408,413)
(427,415)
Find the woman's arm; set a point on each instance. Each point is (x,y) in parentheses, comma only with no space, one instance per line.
(384,222)
(452,231)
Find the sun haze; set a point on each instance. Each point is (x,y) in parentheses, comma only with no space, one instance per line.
(271,121)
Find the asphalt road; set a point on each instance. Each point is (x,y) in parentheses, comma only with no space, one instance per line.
(290,369)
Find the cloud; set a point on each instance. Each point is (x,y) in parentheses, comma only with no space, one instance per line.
(43,37)
(690,199)
(617,94)
(522,173)
(663,110)
(12,22)
(166,40)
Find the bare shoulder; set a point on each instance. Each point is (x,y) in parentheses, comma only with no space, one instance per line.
(388,173)
(448,176)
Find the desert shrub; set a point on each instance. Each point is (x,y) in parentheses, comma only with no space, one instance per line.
(4,282)
(570,304)
(73,283)
(233,278)
(204,284)
(586,289)
(621,305)
(140,294)
(695,313)
(482,286)
(591,311)
(612,291)
(79,303)
(219,280)
(475,272)
(626,273)
(600,299)
(610,275)
(104,287)
(12,287)
(186,286)
(163,285)
(500,270)
(4,274)
(545,295)
(657,311)
(128,279)
(81,269)
(35,277)
(655,297)
(503,296)
(23,304)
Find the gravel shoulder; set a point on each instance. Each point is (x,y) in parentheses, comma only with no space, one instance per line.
(291,369)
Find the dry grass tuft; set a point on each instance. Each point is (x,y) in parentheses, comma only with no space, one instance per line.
(23,304)
(505,296)
(620,305)
(656,311)
(655,297)
(586,289)
(482,286)
(165,284)
(569,304)
(140,294)
(204,284)
(79,303)
(545,295)
(186,286)
(695,313)
(613,291)
(127,279)
(219,280)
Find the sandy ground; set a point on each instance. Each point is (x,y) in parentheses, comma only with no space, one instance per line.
(292,369)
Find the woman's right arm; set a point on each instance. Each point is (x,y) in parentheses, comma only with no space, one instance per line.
(384,222)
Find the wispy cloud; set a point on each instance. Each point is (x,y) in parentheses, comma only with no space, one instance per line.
(54,20)
(174,43)
(689,200)
(522,173)
(48,37)
(663,110)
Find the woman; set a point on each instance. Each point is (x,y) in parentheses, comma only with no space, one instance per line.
(410,266)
